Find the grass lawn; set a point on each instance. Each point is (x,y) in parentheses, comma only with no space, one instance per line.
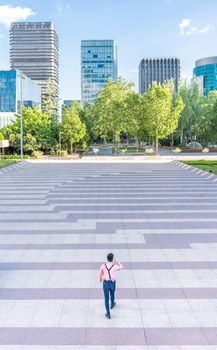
(4,163)
(132,149)
(207,165)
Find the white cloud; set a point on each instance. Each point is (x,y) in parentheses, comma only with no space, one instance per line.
(186,28)
(9,14)
(205,29)
(185,23)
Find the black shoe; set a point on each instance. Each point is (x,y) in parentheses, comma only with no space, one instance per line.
(108,316)
(113,305)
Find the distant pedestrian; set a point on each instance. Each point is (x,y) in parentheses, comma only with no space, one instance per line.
(107,274)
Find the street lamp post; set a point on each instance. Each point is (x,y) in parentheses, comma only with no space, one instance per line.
(60,132)
(20,75)
(21,119)
(60,141)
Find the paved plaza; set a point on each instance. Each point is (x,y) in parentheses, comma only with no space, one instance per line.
(58,221)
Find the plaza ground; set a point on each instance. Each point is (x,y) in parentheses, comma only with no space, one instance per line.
(58,220)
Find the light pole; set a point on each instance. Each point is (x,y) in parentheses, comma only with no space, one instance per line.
(60,141)
(20,75)
(60,121)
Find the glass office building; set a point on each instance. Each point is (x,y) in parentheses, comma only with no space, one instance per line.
(159,70)
(98,64)
(205,72)
(10,91)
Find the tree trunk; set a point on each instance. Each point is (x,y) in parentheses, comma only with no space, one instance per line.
(113,141)
(71,149)
(172,140)
(156,144)
(181,135)
(117,143)
(137,144)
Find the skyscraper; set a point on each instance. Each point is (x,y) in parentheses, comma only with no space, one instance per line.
(205,72)
(98,64)
(158,70)
(34,50)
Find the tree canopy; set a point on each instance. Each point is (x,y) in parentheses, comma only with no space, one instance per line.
(72,129)
(37,125)
(162,111)
(49,101)
(109,109)
(119,114)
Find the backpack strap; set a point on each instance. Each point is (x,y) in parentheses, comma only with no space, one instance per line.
(109,270)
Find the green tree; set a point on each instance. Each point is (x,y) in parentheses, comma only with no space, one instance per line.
(135,116)
(109,110)
(184,120)
(193,113)
(49,101)
(211,113)
(205,128)
(1,139)
(87,116)
(29,143)
(41,126)
(162,111)
(72,128)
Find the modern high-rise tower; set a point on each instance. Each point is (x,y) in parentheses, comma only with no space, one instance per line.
(34,50)
(158,70)
(205,72)
(98,64)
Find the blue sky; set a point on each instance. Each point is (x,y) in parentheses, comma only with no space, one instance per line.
(183,28)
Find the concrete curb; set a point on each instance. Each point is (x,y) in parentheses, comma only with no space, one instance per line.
(197,171)
(12,167)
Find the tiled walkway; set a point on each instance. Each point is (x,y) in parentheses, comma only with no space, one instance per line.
(57,224)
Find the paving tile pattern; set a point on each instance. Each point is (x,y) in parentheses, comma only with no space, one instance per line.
(58,222)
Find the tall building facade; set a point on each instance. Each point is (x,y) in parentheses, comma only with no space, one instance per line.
(34,50)
(159,70)
(98,64)
(13,86)
(205,72)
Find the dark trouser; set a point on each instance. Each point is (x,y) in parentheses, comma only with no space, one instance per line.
(109,288)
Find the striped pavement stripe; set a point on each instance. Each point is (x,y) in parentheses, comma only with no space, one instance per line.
(96,293)
(57,223)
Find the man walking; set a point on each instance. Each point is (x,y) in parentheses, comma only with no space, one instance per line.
(107,274)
